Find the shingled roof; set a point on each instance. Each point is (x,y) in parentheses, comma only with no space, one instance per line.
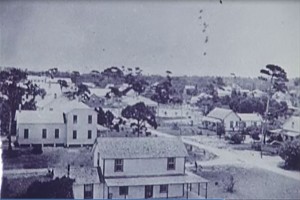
(143,147)
(39,117)
(219,113)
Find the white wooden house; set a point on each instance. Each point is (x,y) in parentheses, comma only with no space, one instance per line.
(60,123)
(227,117)
(250,119)
(291,128)
(137,168)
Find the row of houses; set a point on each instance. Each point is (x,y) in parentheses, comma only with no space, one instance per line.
(234,122)
(136,168)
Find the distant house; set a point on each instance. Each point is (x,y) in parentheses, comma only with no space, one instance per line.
(250,119)
(291,128)
(61,123)
(97,97)
(189,89)
(225,91)
(227,117)
(137,168)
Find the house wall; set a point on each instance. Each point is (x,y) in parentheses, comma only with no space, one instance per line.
(78,191)
(82,126)
(149,166)
(252,123)
(35,134)
(235,119)
(138,192)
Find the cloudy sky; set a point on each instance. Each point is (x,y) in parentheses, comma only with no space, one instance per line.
(243,36)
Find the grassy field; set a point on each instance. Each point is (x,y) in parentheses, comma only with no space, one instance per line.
(250,183)
(51,157)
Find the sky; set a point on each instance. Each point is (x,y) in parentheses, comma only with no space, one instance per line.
(243,36)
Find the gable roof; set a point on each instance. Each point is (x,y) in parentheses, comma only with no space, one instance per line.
(219,113)
(143,147)
(250,116)
(292,124)
(39,117)
(65,105)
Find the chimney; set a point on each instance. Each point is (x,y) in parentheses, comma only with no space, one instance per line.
(20,108)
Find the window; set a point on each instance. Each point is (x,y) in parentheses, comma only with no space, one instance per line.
(90,119)
(255,123)
(163,188)
(74,119)
(123,190)
(44,133)
(56,133)
(171,163)
(118,165)
(231,124)
(26,133)
(89,134)
(88,191)
(74,134)
(236,123)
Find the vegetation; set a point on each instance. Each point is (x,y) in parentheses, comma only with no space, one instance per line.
(57,188)
(290,153)
(142,114)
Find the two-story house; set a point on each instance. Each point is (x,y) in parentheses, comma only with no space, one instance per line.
(150,167)
(60,123)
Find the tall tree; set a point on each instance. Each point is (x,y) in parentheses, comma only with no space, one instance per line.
(276,77)
(142,114)
(11,88)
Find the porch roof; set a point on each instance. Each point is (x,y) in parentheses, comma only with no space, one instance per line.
(155,180)
(211,119)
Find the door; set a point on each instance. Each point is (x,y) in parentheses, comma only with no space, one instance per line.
(148,191)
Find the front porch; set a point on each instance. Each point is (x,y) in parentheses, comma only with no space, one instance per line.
(174,186)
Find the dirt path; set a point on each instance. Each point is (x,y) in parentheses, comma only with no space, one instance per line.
(243,158)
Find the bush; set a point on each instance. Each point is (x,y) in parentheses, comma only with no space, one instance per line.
(290,153)
(237,138)
(37,149)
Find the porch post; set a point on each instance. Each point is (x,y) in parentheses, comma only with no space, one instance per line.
(187,191)
(168,192)
(190,186)
(198,189)
(206,190)
(107,192)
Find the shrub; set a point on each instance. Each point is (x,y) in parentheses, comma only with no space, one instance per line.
(37,149)
(237,138)
(290,153)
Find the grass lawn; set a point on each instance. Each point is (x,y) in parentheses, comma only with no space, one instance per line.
(51,157)
(250,183)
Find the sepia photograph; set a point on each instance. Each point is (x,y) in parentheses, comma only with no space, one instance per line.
(149,99)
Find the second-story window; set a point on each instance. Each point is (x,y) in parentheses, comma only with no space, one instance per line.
(171,163)
(90,119)
(26,133)
(118,165)
(44,133)
(74,119)
(74,134)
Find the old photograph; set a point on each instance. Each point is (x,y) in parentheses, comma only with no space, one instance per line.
(150,99)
